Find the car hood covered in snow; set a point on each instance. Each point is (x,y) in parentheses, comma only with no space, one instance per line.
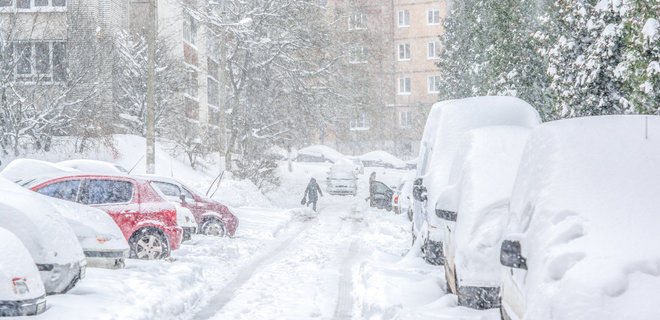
(93,227)
(585,206)
(484,171)
(35,221)
(16,264)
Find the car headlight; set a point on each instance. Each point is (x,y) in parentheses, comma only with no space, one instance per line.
(20,286)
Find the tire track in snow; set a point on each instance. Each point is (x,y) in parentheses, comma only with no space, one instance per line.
(225,295)
(344,308)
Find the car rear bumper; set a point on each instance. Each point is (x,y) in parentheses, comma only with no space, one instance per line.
(341,190)
(175,235)
(109,259)
(28,307)
(479,297)
(188,232)
(59,278)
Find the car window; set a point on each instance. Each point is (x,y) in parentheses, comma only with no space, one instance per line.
(108,191)
(380,187)
(168,189)
(67,190)
(187,193)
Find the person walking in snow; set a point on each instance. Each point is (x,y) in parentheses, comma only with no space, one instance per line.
(311,193)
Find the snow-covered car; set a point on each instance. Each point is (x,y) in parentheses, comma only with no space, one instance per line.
(582,239)
(483,175)
(342,179)
(380,158)
(402,199)
(382,195)
(318,153)
(97,166)
(47,236)
(147,221)
(213,218)
(23,170)
(359,166)
(22,292)
(448,121)
(186,220)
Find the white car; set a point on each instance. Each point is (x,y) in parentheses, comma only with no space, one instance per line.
(342,179)
(102,241)
(483,175)
(380,158)
(582,240)
(447,123)
(359,166)
(318,153)
(46,234)
(22,292)
(184,218)
(96,166)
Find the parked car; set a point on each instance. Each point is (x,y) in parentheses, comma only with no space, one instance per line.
(47,236)
(96,166)
(342,179)
(402,199)
(483,175)
(213,217)
(359,166)
(22,292)
(582,239)
(380,158)
(447,123)
(318,153)
(147,221)
(382,195)
(185,219)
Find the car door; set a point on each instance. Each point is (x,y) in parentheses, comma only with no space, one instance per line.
(116,197)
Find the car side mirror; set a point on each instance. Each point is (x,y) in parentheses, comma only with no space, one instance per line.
(446,214)
(511,255)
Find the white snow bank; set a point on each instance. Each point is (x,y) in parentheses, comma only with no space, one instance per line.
(486,168)
(321,151)
(382,158)
(586,205)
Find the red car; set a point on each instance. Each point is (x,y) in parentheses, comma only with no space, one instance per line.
(146,219)
(213,217)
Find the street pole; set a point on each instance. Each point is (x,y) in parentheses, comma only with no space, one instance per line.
(151,67)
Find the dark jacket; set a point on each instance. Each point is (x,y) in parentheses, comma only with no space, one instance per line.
(312,190)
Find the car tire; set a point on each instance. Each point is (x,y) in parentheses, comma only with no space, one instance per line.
(149,244)
(214,227)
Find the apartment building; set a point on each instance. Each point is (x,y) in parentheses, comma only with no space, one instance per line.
(196,46)
(398,40)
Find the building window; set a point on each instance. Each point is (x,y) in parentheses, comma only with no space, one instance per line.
(404,86)
(34,4)
(192,86)
(189,29)
(192,109)
(433,50)
(213,92)
(360,122)
(433,16)
(214,115)
(357,21)
(404,51)
(434,84)
(358,55)
(404,119)
(404,18)
(38,61)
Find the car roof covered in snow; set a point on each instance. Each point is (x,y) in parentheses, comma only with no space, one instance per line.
(484,172)
(585,204)
(450,120)
(383,157)
(34,220)
(322,150)
(19,169)
(89,165)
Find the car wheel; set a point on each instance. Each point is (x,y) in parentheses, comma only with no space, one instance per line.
(149,244)
(214,227)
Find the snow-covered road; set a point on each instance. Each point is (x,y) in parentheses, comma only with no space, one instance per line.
(347,261)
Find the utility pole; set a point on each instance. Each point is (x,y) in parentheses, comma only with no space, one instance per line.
(151,101)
